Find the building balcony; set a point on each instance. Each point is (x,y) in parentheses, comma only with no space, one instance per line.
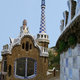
(5,50)
(44,52)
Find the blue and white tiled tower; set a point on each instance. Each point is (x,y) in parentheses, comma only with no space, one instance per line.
(42,36)
(42,25)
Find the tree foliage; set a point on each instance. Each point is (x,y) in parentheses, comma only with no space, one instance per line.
(72,40)
(53,60)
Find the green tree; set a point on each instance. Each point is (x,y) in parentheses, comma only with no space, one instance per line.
(53,60)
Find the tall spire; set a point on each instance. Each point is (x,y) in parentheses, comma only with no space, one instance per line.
(42,37)
(42,25)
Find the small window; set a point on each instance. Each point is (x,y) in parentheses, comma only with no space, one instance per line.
(44,50)
(9,73)
(5,66)
(27,46)
(3,76)
(41,36)
(23,46)
(45,36)
(38,36)
(30,46)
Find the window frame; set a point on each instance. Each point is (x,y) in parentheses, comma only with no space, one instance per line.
(23,46)
(27,46)
(26,77)
(3,66)
(41,36)
(10,69)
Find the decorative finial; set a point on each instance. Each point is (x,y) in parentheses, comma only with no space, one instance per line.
(25,22)
(24,28)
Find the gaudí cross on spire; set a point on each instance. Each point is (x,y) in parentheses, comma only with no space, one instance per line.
(42,36)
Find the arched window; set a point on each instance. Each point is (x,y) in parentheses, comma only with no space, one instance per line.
(38,36)
(9,73)
(27,46)
(45,36)
(41,36)
(23,46)
(30,46)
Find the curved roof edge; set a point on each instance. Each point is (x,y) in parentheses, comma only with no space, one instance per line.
(17,41)
(69,26)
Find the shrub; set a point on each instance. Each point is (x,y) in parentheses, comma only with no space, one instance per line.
(72,40)
(62,46)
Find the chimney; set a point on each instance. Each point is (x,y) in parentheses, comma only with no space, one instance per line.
(72,9)
(62,25)
(65,15)
(78,6)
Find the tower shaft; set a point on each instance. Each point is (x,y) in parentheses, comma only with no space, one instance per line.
(42,36)
(42,25)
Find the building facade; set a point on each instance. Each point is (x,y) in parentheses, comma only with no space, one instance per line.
(26,57)
(68,44)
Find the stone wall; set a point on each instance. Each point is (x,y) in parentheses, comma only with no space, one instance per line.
(70,64)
